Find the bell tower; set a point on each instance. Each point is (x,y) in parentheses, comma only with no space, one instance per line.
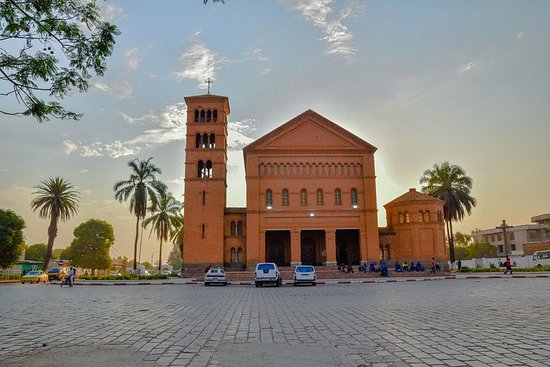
(205,184)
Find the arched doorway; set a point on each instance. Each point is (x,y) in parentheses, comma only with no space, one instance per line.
(309,256)
(277,246)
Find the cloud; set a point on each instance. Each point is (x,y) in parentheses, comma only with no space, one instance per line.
(132,59)
(110,12)
(170,122)
(118,149)
(520,35)
(200,63)
(150,116)
(320,13)
(69,147)
(471,66)
(121,89)
(239,133)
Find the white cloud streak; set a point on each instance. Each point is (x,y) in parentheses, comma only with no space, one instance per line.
(199,63)
(320,13)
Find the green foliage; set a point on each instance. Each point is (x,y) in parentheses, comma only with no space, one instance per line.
(11,237)
(36,252)
(147,265)
(56,253)
(124,277)
(90,247)
(50,48)
(10,276)
(476,250)
(56,200)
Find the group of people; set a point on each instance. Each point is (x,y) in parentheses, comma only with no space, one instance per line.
(405,266)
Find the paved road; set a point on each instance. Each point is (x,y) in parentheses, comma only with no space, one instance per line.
(468,322)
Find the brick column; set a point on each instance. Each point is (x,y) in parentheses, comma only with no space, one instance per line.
(261,253)
(295,248)
(364,254)
(330,246)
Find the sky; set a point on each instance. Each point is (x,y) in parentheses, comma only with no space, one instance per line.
(424,81)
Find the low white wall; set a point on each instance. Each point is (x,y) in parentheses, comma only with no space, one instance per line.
(484,262)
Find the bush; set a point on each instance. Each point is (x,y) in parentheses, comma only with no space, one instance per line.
(124,277)
(465,269)
(10,276)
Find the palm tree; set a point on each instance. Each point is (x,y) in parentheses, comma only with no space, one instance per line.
(162,218)
(176,235)
(141,188)
(56,199)
(449,183)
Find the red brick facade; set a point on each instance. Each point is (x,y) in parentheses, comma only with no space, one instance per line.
(310,193)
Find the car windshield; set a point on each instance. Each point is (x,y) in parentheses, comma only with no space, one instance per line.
(32,273)
(214,271)
(304,269)
(266,267)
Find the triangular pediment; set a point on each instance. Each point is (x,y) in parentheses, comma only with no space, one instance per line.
(310,130)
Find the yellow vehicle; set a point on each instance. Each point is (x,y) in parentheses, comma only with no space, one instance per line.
(34,277)
(56,274)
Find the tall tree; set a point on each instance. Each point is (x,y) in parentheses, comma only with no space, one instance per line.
(91,244)
(141,188)
(56,199)
(161,219)
(36,252)
(11,237)
(174,258)
(176,235)
(50,48)
(449,183)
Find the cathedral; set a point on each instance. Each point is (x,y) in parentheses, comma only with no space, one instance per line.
(310,198)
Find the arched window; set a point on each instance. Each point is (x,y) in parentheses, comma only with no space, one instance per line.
(401,218)
(215,116)
(200,169)
(354,197)
(426,216)
(239,228)
(285,197)
(233,255)
(233,228)
(208,169)
(196,115)
(212,141)
(240,258)
(198,140)
(269,199)
(208,115)
(407,217)
(203,116)
(303,197)
(337,197)
(203,231)
(320,199)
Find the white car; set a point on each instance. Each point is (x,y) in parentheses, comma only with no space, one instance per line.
(215,276)
(267,273)
(305,274)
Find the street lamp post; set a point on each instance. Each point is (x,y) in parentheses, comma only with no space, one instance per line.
(504,227)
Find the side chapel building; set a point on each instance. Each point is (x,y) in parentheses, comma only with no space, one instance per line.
(310,194)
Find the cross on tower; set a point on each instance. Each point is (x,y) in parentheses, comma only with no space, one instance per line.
(208,81)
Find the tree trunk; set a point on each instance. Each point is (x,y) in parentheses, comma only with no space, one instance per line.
(451,244)
(136,243)
(160,256)
(52,233)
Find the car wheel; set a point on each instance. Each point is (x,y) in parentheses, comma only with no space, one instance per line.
(224,284)
(295,284)
(314,283)
(22,282)
(257,284)
(205,284)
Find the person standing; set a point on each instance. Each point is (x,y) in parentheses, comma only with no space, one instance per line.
(508,265)
(459,264)
(433,265)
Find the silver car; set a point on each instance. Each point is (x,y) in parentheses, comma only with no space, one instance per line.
(215,276)
(305,274)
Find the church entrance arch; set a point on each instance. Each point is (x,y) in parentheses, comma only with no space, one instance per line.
(347,246)
(277,247)
(312,245)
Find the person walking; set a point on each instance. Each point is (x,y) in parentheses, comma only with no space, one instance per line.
(508,266)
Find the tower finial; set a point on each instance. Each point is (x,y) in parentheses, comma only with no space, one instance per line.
(208,81)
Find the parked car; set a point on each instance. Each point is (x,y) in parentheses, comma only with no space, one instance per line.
(56,274)
(34,277)
(267,273)
(305,274)
(215,276)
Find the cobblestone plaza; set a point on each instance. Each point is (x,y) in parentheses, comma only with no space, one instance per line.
(453,322)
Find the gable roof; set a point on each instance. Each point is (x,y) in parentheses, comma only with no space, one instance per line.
(310,130)
(413,195)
